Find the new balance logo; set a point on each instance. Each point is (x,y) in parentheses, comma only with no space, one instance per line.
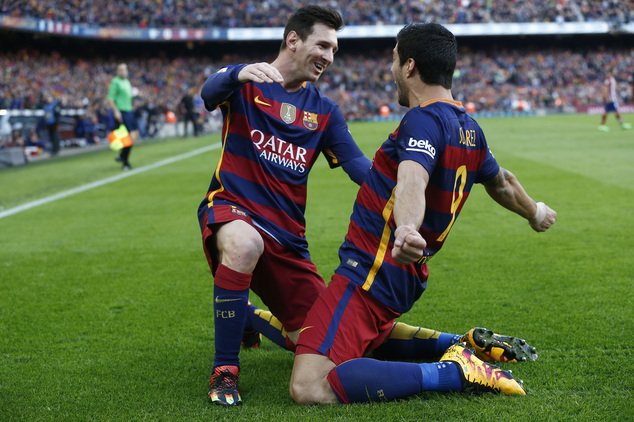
(259,101)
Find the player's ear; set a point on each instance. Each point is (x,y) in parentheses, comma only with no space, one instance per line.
(291,40)
(410,67)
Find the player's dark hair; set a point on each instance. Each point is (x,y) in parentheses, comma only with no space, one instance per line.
(433,48)
(303,20)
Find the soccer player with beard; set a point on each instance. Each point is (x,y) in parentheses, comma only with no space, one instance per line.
(410,199)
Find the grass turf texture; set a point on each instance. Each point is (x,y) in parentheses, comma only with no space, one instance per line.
(105,296)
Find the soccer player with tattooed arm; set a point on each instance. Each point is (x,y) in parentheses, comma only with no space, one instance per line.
(410,199)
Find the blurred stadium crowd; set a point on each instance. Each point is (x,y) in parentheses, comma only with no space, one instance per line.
(273,13)
(489,80)
(360,84)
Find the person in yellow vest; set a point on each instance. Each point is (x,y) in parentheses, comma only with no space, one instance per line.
(120,100)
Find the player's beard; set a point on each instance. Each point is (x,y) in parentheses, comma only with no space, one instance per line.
(403,98)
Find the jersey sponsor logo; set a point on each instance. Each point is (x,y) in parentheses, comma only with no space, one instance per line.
(279,151)
(288,113)
(259,101)
(421,146)
(310,120)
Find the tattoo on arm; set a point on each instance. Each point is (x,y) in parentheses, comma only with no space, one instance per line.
(499,178)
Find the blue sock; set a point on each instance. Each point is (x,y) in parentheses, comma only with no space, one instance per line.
(440,376)
(265,323)
(445,341)
(230,308)
(364,380)
(415,343)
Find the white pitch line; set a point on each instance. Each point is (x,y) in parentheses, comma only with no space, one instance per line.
(107,180)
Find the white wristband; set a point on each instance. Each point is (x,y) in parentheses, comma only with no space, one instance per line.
(540,214)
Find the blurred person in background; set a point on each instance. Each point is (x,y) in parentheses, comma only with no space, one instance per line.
(86,127)
(632,85)
(32,139)
(120,101)
(187,107)
(141,113)
(611,103)
(15,138)
(52,113)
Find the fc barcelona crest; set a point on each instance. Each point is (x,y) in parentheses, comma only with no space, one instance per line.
(288,112)
(310,120)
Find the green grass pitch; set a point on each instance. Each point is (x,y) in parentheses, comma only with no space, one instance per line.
(105,295)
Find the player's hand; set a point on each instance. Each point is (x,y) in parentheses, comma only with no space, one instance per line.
(543,219)
(117,116)
(260,73)
(409,245)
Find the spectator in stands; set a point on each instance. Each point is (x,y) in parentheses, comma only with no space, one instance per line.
(141,115)
(86,127)
(32,139)
(16,139)
(247,13)
(153,120)
(488,78)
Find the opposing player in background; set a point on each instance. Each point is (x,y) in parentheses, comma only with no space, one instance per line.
(120,101)
(276,124)
(409,201)
(611,101)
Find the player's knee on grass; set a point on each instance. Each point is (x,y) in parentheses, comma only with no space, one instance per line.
(317,392)
(309,380)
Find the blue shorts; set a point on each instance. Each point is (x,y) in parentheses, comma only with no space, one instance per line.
(129,120)
(611,107)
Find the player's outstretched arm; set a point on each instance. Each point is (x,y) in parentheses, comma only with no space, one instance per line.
(220,85)
(409,211)
(260,73)
(507,191)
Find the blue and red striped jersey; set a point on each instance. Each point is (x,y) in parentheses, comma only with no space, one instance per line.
(451,146)
(271,139)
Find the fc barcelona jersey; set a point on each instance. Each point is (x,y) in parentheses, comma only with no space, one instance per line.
(271,139)
(450,145)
